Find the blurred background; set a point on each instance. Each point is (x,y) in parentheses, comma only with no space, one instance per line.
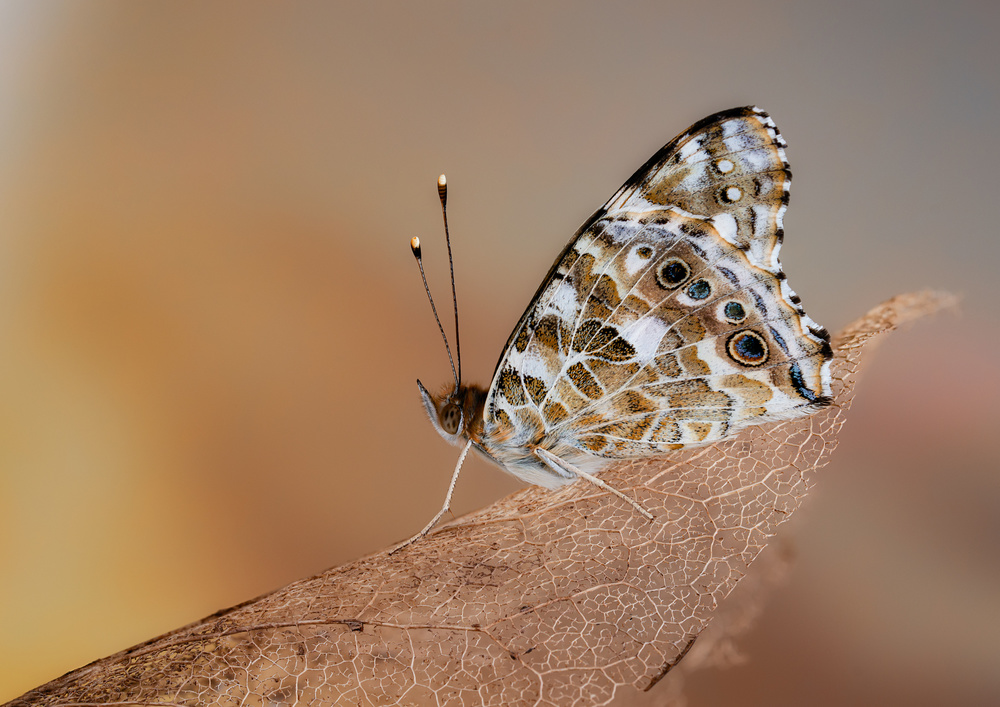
(211,322)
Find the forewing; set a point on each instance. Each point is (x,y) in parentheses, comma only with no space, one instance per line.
(730,169)
(667,320)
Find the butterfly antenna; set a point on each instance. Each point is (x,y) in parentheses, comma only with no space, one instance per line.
(443,195)
(415,247)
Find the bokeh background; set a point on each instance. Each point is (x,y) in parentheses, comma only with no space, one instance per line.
(211,322)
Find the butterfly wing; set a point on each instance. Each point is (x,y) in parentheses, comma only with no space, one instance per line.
(667,320)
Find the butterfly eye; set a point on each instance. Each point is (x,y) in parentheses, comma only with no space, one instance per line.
(734,312)
(451,418)
(699,290)
(747,347)
(672,273)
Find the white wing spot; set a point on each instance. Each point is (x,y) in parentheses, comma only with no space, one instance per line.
(638,258)
(645,336)
(691,150)
(539,367)
(564,301)
(725,224)
(759,160)
(733,127)
(725,166)
(733,194)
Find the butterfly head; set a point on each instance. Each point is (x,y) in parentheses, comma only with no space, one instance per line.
(454,411)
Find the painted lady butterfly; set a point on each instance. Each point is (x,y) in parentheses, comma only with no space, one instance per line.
(666,322)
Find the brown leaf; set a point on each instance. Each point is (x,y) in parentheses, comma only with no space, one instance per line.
(543,598)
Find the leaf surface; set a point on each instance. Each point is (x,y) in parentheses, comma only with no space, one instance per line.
(543,598)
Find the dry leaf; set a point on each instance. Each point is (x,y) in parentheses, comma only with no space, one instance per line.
(544,598)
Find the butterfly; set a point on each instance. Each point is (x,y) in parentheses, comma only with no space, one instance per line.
(665,322)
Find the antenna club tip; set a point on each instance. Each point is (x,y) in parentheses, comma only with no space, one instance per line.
(443,189)
(415,246)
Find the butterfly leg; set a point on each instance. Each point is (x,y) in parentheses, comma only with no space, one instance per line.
(561,467)
(447,503)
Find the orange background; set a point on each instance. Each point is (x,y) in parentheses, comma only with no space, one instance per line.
(211,322)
